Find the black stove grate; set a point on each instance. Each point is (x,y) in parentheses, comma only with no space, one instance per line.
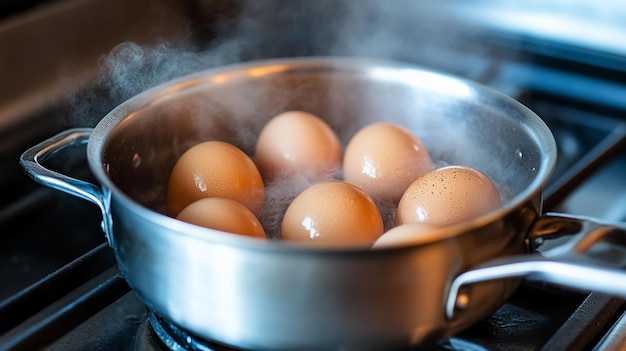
(46,310)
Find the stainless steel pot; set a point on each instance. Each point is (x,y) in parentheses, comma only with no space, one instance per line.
(276,295)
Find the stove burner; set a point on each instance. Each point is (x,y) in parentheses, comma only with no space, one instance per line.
(146,338)
(157,334)
(171,337)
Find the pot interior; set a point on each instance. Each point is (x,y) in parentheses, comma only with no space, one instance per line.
(458,121)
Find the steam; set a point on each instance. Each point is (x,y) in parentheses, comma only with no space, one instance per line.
(401,29)
(130,69)
(412,31)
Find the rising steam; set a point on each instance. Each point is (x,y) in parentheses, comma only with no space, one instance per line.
(400,30)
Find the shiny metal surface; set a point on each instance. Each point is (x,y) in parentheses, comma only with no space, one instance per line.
(592,25)
(33,163)
(274,295)
(587,261)
(614,339)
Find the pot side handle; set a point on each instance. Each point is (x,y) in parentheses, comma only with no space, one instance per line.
(32,162)
(590,260)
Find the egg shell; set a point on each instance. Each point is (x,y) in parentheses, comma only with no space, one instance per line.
(406,234)
(297,142)
(332,213)
(448,195)
(385,158)
(222,214)
(214,169)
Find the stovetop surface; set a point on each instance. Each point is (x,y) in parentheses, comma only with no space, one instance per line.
(518,325)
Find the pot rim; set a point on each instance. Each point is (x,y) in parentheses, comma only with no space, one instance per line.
(540,132)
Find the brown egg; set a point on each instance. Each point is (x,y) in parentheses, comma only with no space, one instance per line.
(222,214)
(214,169)
(448,195)
(384,159)
(332,213)
(297,142)
(406,234)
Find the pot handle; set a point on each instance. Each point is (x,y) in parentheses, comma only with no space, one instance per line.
(32,159)
(589,260)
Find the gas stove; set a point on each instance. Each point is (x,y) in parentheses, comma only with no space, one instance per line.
(61,287)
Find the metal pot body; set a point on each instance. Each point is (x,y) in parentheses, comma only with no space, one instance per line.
(266,297)
(280,296)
